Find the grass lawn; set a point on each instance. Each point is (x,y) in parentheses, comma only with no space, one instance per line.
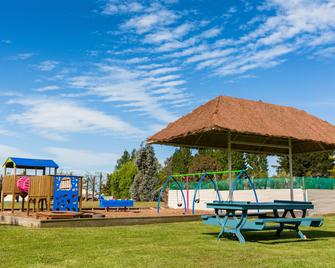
(163,245)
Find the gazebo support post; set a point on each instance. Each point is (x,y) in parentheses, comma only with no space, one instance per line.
(291,168)
(230,197)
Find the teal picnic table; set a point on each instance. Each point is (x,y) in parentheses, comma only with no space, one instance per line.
(235,217)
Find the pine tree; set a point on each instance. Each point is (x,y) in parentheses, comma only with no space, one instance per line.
(123,159)
(146,180)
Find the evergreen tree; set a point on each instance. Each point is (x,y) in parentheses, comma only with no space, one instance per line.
(124,159)
(315,164)
(258,166)
(146,180)
(122,179)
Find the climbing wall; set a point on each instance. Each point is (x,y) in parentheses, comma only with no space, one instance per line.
(66,193)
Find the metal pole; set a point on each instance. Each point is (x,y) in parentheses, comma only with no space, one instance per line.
(291,169)
(187,196)
(230,197)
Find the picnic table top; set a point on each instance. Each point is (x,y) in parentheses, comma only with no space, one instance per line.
(277,204)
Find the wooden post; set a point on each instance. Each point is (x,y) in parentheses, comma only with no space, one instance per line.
(100,184)
(86,194)
(80,193)
(230,197)
(291,169)
(93,187)
(2,197)
(13,193)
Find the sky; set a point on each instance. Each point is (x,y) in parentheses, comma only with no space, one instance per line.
(81,81)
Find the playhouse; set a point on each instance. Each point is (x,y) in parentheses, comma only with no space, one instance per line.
(37,180)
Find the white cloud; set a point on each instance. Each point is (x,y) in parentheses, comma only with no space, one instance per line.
(82,160)
(328,52)
(57,118)
(136,90)
(145,23)
(211,33)
(10,151)
(296,26)
(116,6)
(47,65)
(48,88)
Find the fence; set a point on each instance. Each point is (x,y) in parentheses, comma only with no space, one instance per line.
(265,183)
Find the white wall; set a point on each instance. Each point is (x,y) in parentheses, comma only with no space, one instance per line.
(207,196)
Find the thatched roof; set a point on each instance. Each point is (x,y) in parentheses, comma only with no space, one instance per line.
(255,126)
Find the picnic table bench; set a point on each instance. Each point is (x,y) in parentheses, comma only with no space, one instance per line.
(235,223)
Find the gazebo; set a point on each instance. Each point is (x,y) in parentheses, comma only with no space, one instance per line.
(235,124)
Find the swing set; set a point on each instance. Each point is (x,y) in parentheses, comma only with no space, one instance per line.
(211,176)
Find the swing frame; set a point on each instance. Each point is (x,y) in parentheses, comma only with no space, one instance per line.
(172,177)
(242,174)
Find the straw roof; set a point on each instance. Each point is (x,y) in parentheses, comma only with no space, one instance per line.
(255,126)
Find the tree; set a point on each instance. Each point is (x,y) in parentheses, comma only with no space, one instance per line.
(258,166)
(203,161)
(315,164)
(180,161)
(216,160)
(122,179)
(146,180)
(126,157)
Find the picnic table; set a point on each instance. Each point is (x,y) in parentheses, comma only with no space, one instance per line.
(236,217)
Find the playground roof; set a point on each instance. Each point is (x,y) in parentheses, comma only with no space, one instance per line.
(255,126)
(28,163)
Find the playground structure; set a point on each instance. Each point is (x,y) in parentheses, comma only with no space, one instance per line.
(210,175)
(39,188)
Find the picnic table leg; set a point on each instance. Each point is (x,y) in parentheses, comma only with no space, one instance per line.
(239,226)
(296,226)
(221,222)
(236,228)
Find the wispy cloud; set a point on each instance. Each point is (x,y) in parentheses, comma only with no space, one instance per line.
(293,27)
(145,23)
(142,91)
(57,118)
(8,151)
(113,7)
(47,65)
(48,88)
(82,160)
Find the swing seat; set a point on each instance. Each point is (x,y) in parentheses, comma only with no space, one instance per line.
(197,200)
(179,204)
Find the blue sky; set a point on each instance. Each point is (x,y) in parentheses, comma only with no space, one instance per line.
(83,80)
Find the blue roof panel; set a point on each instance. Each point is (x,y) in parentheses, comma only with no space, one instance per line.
(36,163)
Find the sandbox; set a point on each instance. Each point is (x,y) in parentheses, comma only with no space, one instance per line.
(101,218)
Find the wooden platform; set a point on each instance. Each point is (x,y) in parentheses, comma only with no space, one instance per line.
(52,215)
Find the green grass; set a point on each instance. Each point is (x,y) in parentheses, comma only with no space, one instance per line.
(163,245)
